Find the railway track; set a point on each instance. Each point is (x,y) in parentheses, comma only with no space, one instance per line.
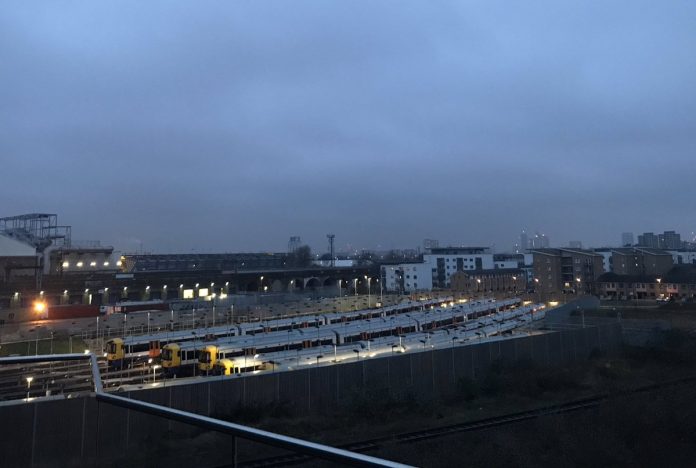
(66,378)
(486,423)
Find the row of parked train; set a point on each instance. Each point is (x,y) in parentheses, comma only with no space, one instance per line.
(242,354)
(229,350)
(494,326)
(149,346)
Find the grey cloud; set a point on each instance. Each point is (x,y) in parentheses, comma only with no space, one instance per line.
(231,126)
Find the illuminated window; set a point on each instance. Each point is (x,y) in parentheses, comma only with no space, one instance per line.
(66,264)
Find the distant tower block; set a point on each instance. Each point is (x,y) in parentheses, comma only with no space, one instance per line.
(294,243)
(331,238)
(430,244)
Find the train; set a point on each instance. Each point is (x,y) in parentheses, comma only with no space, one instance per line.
(184,358)
(128,307)
(150,346)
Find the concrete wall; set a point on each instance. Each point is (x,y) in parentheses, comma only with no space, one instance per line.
(82,432)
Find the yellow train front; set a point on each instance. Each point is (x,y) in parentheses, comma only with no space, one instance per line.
(207,359)
(170,357)
(115,353)
(226,367)
(213,360)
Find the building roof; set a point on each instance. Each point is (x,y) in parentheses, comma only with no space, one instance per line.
(643,250)
(652,251)
(459,250)
(12,247)
(560,252)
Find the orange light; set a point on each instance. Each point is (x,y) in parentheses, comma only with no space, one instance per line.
(39,307)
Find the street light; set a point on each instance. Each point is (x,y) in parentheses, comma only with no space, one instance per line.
(368,290)
(319,356)
(29,379)
(358,352)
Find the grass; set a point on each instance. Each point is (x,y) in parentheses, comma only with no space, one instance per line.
(680,316)
(44,346)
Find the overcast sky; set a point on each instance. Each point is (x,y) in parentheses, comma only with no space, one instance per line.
(230,126)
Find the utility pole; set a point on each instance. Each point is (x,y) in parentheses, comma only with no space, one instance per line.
(331,238)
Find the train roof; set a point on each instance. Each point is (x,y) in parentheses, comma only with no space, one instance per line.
(178,334)
(170,336)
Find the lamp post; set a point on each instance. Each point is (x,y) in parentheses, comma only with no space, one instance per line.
(368,290)
(194,348)
(29,379)
(339,288)
(358,354)
(381,298)
(148,323)
(319,356)
(659,285)
(578,280)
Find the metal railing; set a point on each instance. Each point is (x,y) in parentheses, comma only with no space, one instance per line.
(300,446)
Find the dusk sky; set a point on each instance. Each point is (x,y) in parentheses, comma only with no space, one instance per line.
(231,126)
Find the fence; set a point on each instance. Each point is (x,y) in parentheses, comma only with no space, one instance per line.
(84,431)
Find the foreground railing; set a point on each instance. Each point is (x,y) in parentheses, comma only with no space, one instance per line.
(236,430)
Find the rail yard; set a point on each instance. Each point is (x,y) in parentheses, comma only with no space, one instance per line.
(141,361)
